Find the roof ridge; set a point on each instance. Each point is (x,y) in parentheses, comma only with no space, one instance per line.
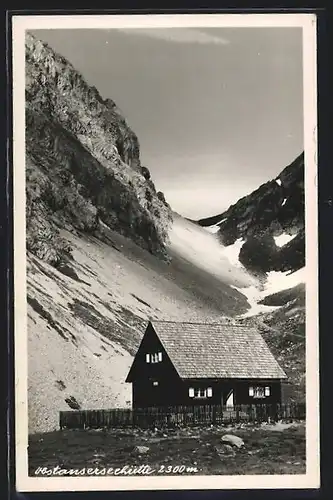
(200,323)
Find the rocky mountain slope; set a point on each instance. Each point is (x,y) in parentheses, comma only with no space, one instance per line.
(85,321)
(105,252)
(264,232)
(83,162)
(268,224)
(100,262)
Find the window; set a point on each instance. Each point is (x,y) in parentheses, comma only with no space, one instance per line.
(154,358)
(198,392)
(259,392)
(155,383)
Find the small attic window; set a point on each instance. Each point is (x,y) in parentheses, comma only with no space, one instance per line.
(267,391)
(147,358)
(156,357)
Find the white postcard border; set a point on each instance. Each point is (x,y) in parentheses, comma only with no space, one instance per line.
(312,477)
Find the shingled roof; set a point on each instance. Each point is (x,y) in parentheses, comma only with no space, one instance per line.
(201,350)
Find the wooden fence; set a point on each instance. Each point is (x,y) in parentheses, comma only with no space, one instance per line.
(178,416)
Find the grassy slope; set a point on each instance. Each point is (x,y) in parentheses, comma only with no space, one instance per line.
(266,451)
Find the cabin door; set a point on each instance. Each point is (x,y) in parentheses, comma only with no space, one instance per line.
(230,400)
(227,399)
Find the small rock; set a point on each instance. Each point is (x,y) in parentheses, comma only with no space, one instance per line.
(224,451)
(232,440)
(141,450)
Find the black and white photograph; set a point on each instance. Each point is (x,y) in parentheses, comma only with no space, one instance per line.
(165,240)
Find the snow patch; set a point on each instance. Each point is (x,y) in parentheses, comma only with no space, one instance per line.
(276,282)
(283,239)
(203,249)
(278,182)
(215,227)
(253,295)
(232,252)
(212,229)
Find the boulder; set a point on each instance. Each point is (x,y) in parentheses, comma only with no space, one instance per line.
(232,440)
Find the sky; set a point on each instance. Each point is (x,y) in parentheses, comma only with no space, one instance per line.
(217,111)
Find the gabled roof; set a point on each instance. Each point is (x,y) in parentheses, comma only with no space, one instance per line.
(202,350)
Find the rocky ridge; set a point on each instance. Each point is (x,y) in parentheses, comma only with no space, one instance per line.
(266,229)
(83,162)
(276,208)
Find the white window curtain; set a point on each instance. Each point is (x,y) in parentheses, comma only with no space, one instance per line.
(209,392)
(147,358)
(160,356)
(191,392)
(251,391)
(259,392)
(267,391)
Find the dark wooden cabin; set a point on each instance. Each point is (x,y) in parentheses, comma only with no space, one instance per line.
(181,363)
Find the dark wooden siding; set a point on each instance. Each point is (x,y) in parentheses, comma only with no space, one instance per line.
(174,391)
(143,375)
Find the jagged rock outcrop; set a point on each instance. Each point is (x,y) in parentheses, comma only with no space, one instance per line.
(83,162)
(275,208)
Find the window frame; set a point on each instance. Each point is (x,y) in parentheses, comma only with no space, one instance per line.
(155,357)
(200,392)
(259,392)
